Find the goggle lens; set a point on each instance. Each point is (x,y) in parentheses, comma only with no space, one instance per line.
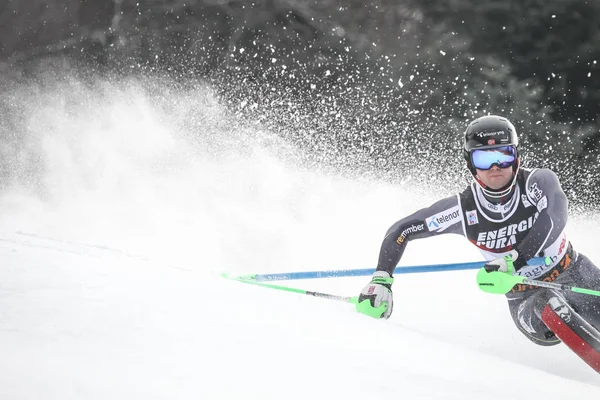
(485,159)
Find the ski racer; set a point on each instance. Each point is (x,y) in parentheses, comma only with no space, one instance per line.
(512,215)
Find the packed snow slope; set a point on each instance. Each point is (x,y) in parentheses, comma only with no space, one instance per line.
(120,210)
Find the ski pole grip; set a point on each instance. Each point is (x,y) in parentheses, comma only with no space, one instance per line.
(539,261)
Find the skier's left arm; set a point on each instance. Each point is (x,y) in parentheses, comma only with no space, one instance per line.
(544,192)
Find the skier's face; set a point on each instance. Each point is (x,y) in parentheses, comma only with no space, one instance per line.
(495,178)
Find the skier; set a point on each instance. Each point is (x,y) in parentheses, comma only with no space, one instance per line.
(512,215)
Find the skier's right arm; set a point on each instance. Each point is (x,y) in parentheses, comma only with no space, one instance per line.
(442,217)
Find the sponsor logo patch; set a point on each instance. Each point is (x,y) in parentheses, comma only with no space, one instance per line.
(505,237)
(525,201)
(543,203)
(410,230)
(441,221)
(561,309)
(485,134)
(472,218)
(563,243)
(536,193)
(525,324)
(533,273)
(499,208)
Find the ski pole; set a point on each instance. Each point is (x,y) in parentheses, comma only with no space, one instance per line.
(363,307)
(249,279)
(558,286)
(501,283)
(370,271)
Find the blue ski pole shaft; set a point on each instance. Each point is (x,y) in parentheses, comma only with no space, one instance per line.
(369,271)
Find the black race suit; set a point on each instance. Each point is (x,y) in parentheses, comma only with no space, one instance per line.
(532,222)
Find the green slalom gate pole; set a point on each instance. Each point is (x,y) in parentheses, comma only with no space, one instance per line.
(363,307)
(502,282)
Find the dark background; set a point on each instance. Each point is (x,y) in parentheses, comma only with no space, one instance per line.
(380,87)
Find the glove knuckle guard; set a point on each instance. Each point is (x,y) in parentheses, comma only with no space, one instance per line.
(377,294)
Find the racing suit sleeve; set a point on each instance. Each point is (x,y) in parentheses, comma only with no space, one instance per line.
(444,216)
(544,191)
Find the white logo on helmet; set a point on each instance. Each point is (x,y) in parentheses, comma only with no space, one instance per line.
(486,134)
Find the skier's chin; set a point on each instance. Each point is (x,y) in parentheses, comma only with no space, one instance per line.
(497,183)
(495,179)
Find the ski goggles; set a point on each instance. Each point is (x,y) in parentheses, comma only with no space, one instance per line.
(485,159)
